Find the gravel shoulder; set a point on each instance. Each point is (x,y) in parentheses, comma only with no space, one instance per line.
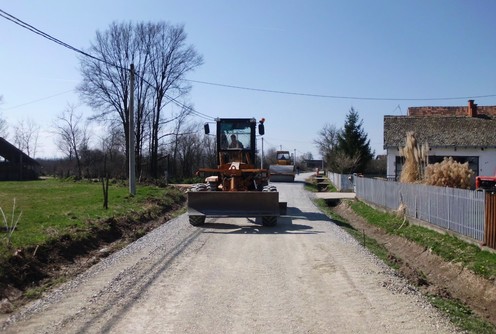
(235,276)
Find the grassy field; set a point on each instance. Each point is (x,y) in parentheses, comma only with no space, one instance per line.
(49,208)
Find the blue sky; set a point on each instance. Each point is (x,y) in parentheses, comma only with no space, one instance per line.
(379,57)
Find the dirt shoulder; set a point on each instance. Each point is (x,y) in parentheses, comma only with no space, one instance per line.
(429,272)
(30,272)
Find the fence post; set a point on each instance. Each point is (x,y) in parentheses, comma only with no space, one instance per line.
(490,220)
(449,208)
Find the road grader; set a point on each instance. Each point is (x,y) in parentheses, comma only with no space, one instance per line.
(236,187)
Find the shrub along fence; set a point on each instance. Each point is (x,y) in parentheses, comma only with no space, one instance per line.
(466,212)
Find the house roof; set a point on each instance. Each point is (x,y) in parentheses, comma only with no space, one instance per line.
(14,155)
(441,131)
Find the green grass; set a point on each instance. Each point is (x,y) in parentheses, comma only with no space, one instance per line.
(462,316)
(311,185)
(53,207)
(450,248)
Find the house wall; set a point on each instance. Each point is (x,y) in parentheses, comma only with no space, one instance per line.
(487,158)
(487,162)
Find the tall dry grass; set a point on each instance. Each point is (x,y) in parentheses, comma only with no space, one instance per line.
(416,159)
(449,173)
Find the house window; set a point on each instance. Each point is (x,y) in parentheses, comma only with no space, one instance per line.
(398,165)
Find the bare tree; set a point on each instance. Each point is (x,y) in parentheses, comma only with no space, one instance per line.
(4,133)
(327,141)
(343,163)
(193,150)
(26,136)
(161,58)
(210,151)
(105,85)
(171,59)
(3,123)
(72,134)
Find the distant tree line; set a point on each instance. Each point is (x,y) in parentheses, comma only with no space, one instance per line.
(186,153)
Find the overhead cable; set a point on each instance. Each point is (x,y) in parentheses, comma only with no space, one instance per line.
(37,31)
(53,39)
(38,100)
(340,97)
(70,47)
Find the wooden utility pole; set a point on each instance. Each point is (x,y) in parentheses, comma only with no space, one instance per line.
(132,158)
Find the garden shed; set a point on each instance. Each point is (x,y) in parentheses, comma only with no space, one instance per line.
(15,165)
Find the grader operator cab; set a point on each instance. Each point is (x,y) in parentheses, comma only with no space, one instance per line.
(236,188)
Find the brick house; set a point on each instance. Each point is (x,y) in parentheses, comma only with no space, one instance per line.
(468,134)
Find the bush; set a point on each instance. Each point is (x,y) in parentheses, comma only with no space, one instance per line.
(448,173)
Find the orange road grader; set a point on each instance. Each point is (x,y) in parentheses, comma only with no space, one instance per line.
(236,188)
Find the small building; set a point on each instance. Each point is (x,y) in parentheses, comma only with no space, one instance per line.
(16,165)
(465,133)
(312,164)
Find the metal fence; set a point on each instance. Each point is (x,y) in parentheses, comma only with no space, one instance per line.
(342,182)
(457,210)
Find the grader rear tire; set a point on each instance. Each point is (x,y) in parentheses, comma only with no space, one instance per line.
(269,221)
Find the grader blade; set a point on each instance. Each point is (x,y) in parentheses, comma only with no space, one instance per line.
(233,204)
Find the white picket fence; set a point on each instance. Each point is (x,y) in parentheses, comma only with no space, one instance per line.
(457,210)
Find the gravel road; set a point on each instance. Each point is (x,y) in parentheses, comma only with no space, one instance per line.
(235,276)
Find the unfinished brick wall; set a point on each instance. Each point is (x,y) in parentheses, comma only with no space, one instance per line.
(437,111)
(472,110)
(486,110)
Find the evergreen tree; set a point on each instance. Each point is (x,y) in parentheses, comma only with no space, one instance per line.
(353,143)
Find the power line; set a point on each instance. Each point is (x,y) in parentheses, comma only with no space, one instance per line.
(37,31)
(193,111)
(55,40)
(340,97)
(43,34)
(38,100)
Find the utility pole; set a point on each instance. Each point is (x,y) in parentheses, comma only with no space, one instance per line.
(261,160)
(132,157)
